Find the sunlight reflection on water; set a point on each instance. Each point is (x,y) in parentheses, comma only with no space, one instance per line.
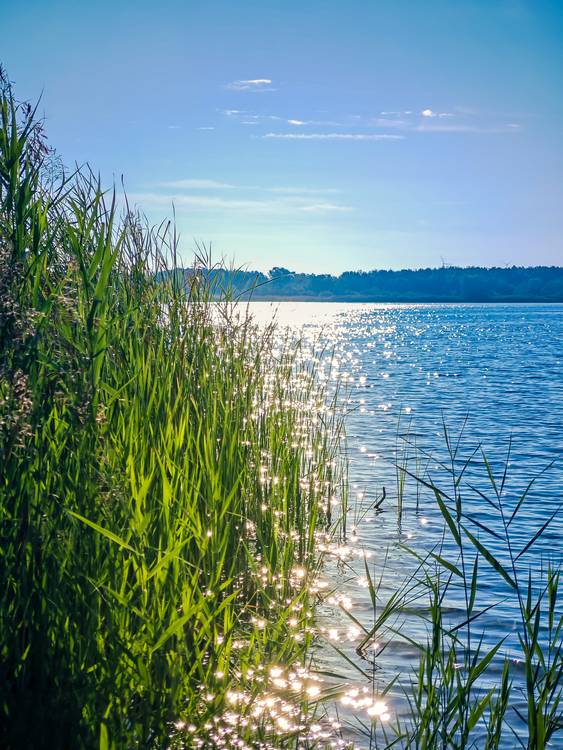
(407,368)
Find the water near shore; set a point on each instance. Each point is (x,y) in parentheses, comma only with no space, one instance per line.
(410,369)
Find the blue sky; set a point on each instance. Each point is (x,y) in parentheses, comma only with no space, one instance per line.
(321,136)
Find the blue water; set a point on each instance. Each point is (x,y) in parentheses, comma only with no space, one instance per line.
(493,375)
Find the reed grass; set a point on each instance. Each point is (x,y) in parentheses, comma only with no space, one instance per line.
(163,472)
(469,691)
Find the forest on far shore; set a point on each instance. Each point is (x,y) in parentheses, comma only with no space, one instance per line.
(445,284)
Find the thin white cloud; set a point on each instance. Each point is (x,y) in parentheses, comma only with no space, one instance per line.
(283,205)
(432,113)
(437,127)
(207,127)
(253,84)
(246,117)
(402,122)
(335,136)
(432,121)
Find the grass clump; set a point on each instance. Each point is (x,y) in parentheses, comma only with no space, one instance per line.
(162,473)
(472,687)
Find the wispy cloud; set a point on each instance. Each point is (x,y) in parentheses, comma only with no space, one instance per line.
(252,84)
(247,117)
(432,121)
(334,136)
(431,113)
(196,194)
(444,127)
(283,205)
(361,127)
(244,117)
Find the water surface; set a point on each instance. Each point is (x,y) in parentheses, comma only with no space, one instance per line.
(490,373)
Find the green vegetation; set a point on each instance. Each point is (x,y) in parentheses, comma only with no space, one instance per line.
(469,691)
(163,470)
(447,284)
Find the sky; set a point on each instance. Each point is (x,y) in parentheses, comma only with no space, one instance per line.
(316,135)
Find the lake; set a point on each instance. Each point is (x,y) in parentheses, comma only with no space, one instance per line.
(490,373)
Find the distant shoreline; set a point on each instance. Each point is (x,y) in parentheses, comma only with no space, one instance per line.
(248,297)
(448,284)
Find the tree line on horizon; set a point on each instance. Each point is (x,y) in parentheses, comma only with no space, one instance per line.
(444,284)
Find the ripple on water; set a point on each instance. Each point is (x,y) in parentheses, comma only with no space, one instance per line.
(408,368)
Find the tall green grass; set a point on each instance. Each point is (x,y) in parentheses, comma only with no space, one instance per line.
(467,689)
(163,470)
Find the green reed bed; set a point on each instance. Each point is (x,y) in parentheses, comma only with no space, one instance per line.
(163,471)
